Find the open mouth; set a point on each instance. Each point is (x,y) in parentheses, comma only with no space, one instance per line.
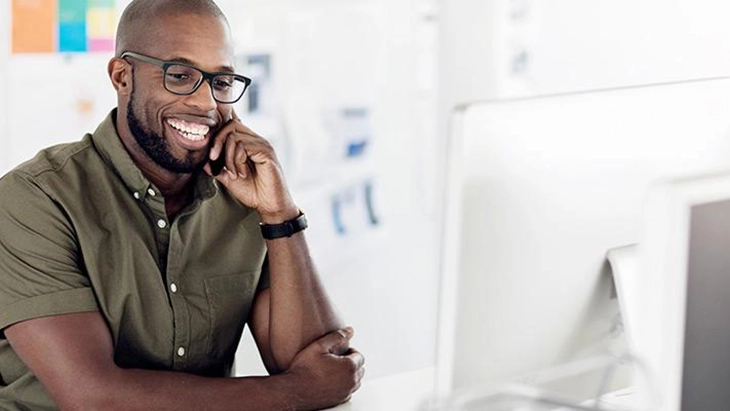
(191,131)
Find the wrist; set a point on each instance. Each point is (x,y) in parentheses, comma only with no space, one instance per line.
(289,213)
(286,229)
(288,386)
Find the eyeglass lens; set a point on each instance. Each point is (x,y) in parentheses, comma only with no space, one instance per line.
(184,80)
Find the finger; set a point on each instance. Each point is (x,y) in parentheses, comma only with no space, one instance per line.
(356,387)
(341,350)
(240,158)
(330,341)
(358,360)
(231,144)
(242,128)
(220,140)
(223,177)
(234,116)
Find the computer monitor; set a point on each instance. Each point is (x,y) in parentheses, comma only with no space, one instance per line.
(683,332)
(538,190)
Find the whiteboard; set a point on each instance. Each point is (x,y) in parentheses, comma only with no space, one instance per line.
(538,190)
(52,99)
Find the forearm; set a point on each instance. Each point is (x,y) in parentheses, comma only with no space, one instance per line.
(300,310)
(126,389)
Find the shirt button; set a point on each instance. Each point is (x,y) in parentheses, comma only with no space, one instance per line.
(173,288)
(161,223)
(151,192)
(181,352)
(136,195)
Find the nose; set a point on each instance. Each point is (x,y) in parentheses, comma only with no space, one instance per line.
(202,98)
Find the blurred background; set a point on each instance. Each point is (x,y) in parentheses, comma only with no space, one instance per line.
(356,97)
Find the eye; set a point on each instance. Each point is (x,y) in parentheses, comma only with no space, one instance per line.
(222,83)
(181,75)
(178,76)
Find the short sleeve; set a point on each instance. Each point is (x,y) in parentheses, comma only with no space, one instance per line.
(41,270)
(264,281)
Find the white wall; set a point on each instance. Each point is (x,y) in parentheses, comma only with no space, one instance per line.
(612,43)
(578,45)
(54,99)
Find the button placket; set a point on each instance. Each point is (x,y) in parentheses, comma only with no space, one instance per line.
(181,332)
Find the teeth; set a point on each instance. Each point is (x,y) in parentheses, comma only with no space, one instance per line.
(191,131)
(193,137)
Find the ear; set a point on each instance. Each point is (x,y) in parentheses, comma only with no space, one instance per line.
(120,73)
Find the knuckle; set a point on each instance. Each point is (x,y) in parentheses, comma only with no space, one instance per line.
(352,367)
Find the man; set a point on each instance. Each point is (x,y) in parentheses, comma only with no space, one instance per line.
(127,271)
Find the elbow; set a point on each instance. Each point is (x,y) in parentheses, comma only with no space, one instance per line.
(281,363)
(283,352)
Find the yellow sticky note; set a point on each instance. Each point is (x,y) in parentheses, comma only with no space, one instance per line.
(100,22)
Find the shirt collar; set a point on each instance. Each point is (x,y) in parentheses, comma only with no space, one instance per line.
(110,147)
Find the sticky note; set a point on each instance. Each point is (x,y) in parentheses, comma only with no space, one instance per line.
(72,25)
(34,26)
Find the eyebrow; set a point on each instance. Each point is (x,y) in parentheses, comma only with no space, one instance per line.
(219,69)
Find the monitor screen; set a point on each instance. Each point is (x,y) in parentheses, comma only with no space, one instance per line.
(706,363)
(682,331)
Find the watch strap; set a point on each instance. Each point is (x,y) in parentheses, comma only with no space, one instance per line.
(285,229)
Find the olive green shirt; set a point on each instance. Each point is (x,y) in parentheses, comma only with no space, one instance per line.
(81,230)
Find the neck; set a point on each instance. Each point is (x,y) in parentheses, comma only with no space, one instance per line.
(176,188)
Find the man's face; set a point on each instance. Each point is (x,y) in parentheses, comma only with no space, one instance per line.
(175,131)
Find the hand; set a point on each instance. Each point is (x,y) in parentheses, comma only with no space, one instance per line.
(321,377)
(252,172)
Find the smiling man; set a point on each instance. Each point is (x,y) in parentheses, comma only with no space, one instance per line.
(131,260)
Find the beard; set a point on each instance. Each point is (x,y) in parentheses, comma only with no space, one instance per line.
(156,147)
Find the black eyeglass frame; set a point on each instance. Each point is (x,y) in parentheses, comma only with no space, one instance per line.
(209,77)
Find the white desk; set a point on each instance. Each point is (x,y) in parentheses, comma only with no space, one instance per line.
(408,391)
(399,392)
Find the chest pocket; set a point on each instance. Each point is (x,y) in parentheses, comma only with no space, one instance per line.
(229,302)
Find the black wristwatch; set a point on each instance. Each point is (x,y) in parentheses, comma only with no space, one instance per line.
(285,229)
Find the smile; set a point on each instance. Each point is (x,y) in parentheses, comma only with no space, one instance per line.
(191,131)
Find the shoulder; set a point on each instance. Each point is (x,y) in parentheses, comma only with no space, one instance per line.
(54,158)
(52,169)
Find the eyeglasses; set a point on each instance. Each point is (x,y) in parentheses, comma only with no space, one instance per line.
(184,79)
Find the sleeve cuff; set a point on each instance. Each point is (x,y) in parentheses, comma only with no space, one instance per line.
(63,302)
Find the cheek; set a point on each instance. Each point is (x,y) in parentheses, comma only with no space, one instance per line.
(152,110)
